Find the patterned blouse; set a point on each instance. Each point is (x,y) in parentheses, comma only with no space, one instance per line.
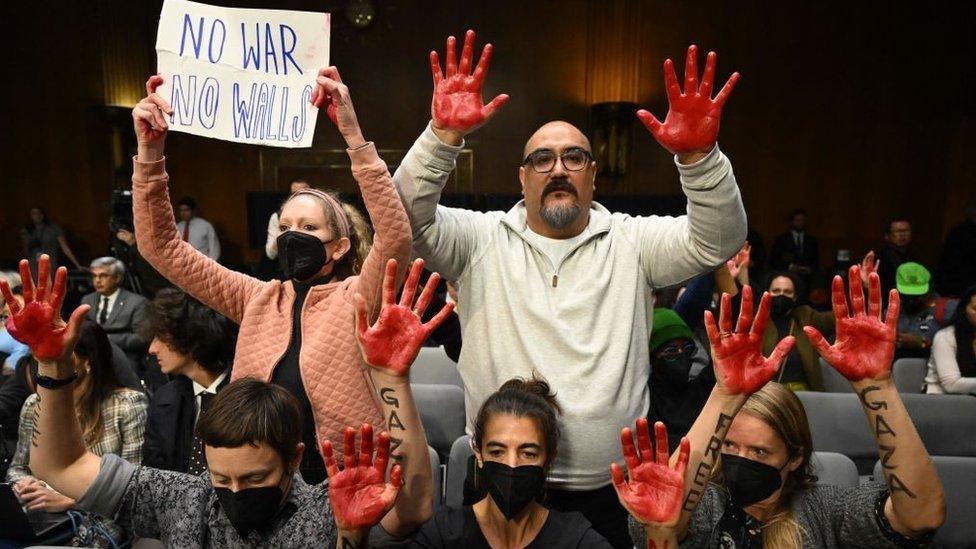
(124,419)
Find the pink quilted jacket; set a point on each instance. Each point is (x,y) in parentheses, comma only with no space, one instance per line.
(332,368)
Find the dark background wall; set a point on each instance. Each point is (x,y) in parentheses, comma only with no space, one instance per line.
(851,111)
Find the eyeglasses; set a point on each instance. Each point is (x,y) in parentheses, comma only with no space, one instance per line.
(544,160)
(672,352)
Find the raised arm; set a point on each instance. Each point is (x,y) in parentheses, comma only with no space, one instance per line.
(862,352)
(391,237)
(676,249)
(446,237)
(740,370)
(390,346)
(159,243)
(652,494)
(58,455)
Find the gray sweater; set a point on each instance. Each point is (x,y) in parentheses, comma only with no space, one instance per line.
(584,323)
(830,517)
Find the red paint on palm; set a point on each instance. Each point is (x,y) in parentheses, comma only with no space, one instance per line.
(692,122)
(653,492)
(38,323)
(392,343)
(457,103)
(740,366)
(864,344)
(319,99)
(359,495)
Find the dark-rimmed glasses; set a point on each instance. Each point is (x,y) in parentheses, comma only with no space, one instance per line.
(544,160)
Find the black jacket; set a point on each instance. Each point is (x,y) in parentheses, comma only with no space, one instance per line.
(169,426)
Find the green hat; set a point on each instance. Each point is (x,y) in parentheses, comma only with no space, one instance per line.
(667,326)
(912,279)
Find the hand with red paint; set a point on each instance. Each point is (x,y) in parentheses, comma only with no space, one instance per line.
(653,493)
(38,323)
(392,343)
(865,345)
(331,93)
(740,261)
(740,368)
(691,126)
(359,495)
(149,119)
(457,108)
(868,265)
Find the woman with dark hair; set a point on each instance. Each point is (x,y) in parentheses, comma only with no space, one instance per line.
(297,333)
(952,364)
(753,436)
(515,442)
(112,418)
(40,236)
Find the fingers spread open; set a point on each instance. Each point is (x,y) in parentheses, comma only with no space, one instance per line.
(440,317)
(712,330)
(382,451)
(644,441)
(350,458)
(26,282)
(661,443)
(745,311)
(691,70)
(628,449)
(762,317)
(481,71)
(838,299)
(723,94)
(489,110)
(671,81)
(650,122)
(467,53)
(435,68)
(874,296)
(894,306)
(450,64)
(362,320)
(9,298)
(708,78)
(425,296)
(366,444)
(389,283)
(410,286)
(725,313)
(329,459)
(43,280)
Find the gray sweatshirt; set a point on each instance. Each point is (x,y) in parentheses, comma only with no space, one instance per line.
(582,324)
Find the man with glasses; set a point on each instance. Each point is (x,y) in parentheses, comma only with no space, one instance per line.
(118,311)
(558,285)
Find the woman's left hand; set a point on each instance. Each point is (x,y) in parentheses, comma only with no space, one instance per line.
(653,493)
(38,496)
(331,93)
(392,343)
(358,494)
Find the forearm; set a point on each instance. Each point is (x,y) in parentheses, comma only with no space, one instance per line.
(917,502)
(352,539)
(661,538)
(716,216)
(408,447)
(706,436)
(58,455)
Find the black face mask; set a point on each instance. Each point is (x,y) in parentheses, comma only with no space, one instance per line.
(300,255)
(782,305)
(673,371)
(250,509)
(749,481)
(512,488)
(913,304)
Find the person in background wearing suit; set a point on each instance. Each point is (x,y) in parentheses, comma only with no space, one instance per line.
(195,346)
(796,251)
(118,311)
(197,231)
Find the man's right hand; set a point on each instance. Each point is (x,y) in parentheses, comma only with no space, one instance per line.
(457,108)
(150,122)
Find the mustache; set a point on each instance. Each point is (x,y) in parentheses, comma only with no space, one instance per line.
(559,185)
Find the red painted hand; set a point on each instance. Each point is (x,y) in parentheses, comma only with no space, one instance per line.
(653,494)
(740,367)
(868,265)
(358,493)
(393,342)
(740,261)
(38,324)
(864,345)
(691,125)
(457,104)
(328,85)
(147,116)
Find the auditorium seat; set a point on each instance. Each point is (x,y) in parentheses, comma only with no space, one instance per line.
(457,470)
(433,366)
(834,469)
(441,410)
(946,423)
(909,374)
(833,381)
(958,476)
(437,474)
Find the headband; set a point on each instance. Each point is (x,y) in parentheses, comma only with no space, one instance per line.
(337,212)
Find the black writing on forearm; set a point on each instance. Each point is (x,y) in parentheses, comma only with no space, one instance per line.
(393,422)
(37,416)
(887,440)
(712,453)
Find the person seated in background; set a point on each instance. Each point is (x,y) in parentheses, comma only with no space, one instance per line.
(922,313)
(755,436)
(111,420)
(271,244)
(801,372)
(252,435)
(796,251)
(676,397)
(118,311)
(952,364)
(197,231)
(896,250)
(193,345)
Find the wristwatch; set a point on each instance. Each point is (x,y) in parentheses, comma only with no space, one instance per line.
(54,383)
